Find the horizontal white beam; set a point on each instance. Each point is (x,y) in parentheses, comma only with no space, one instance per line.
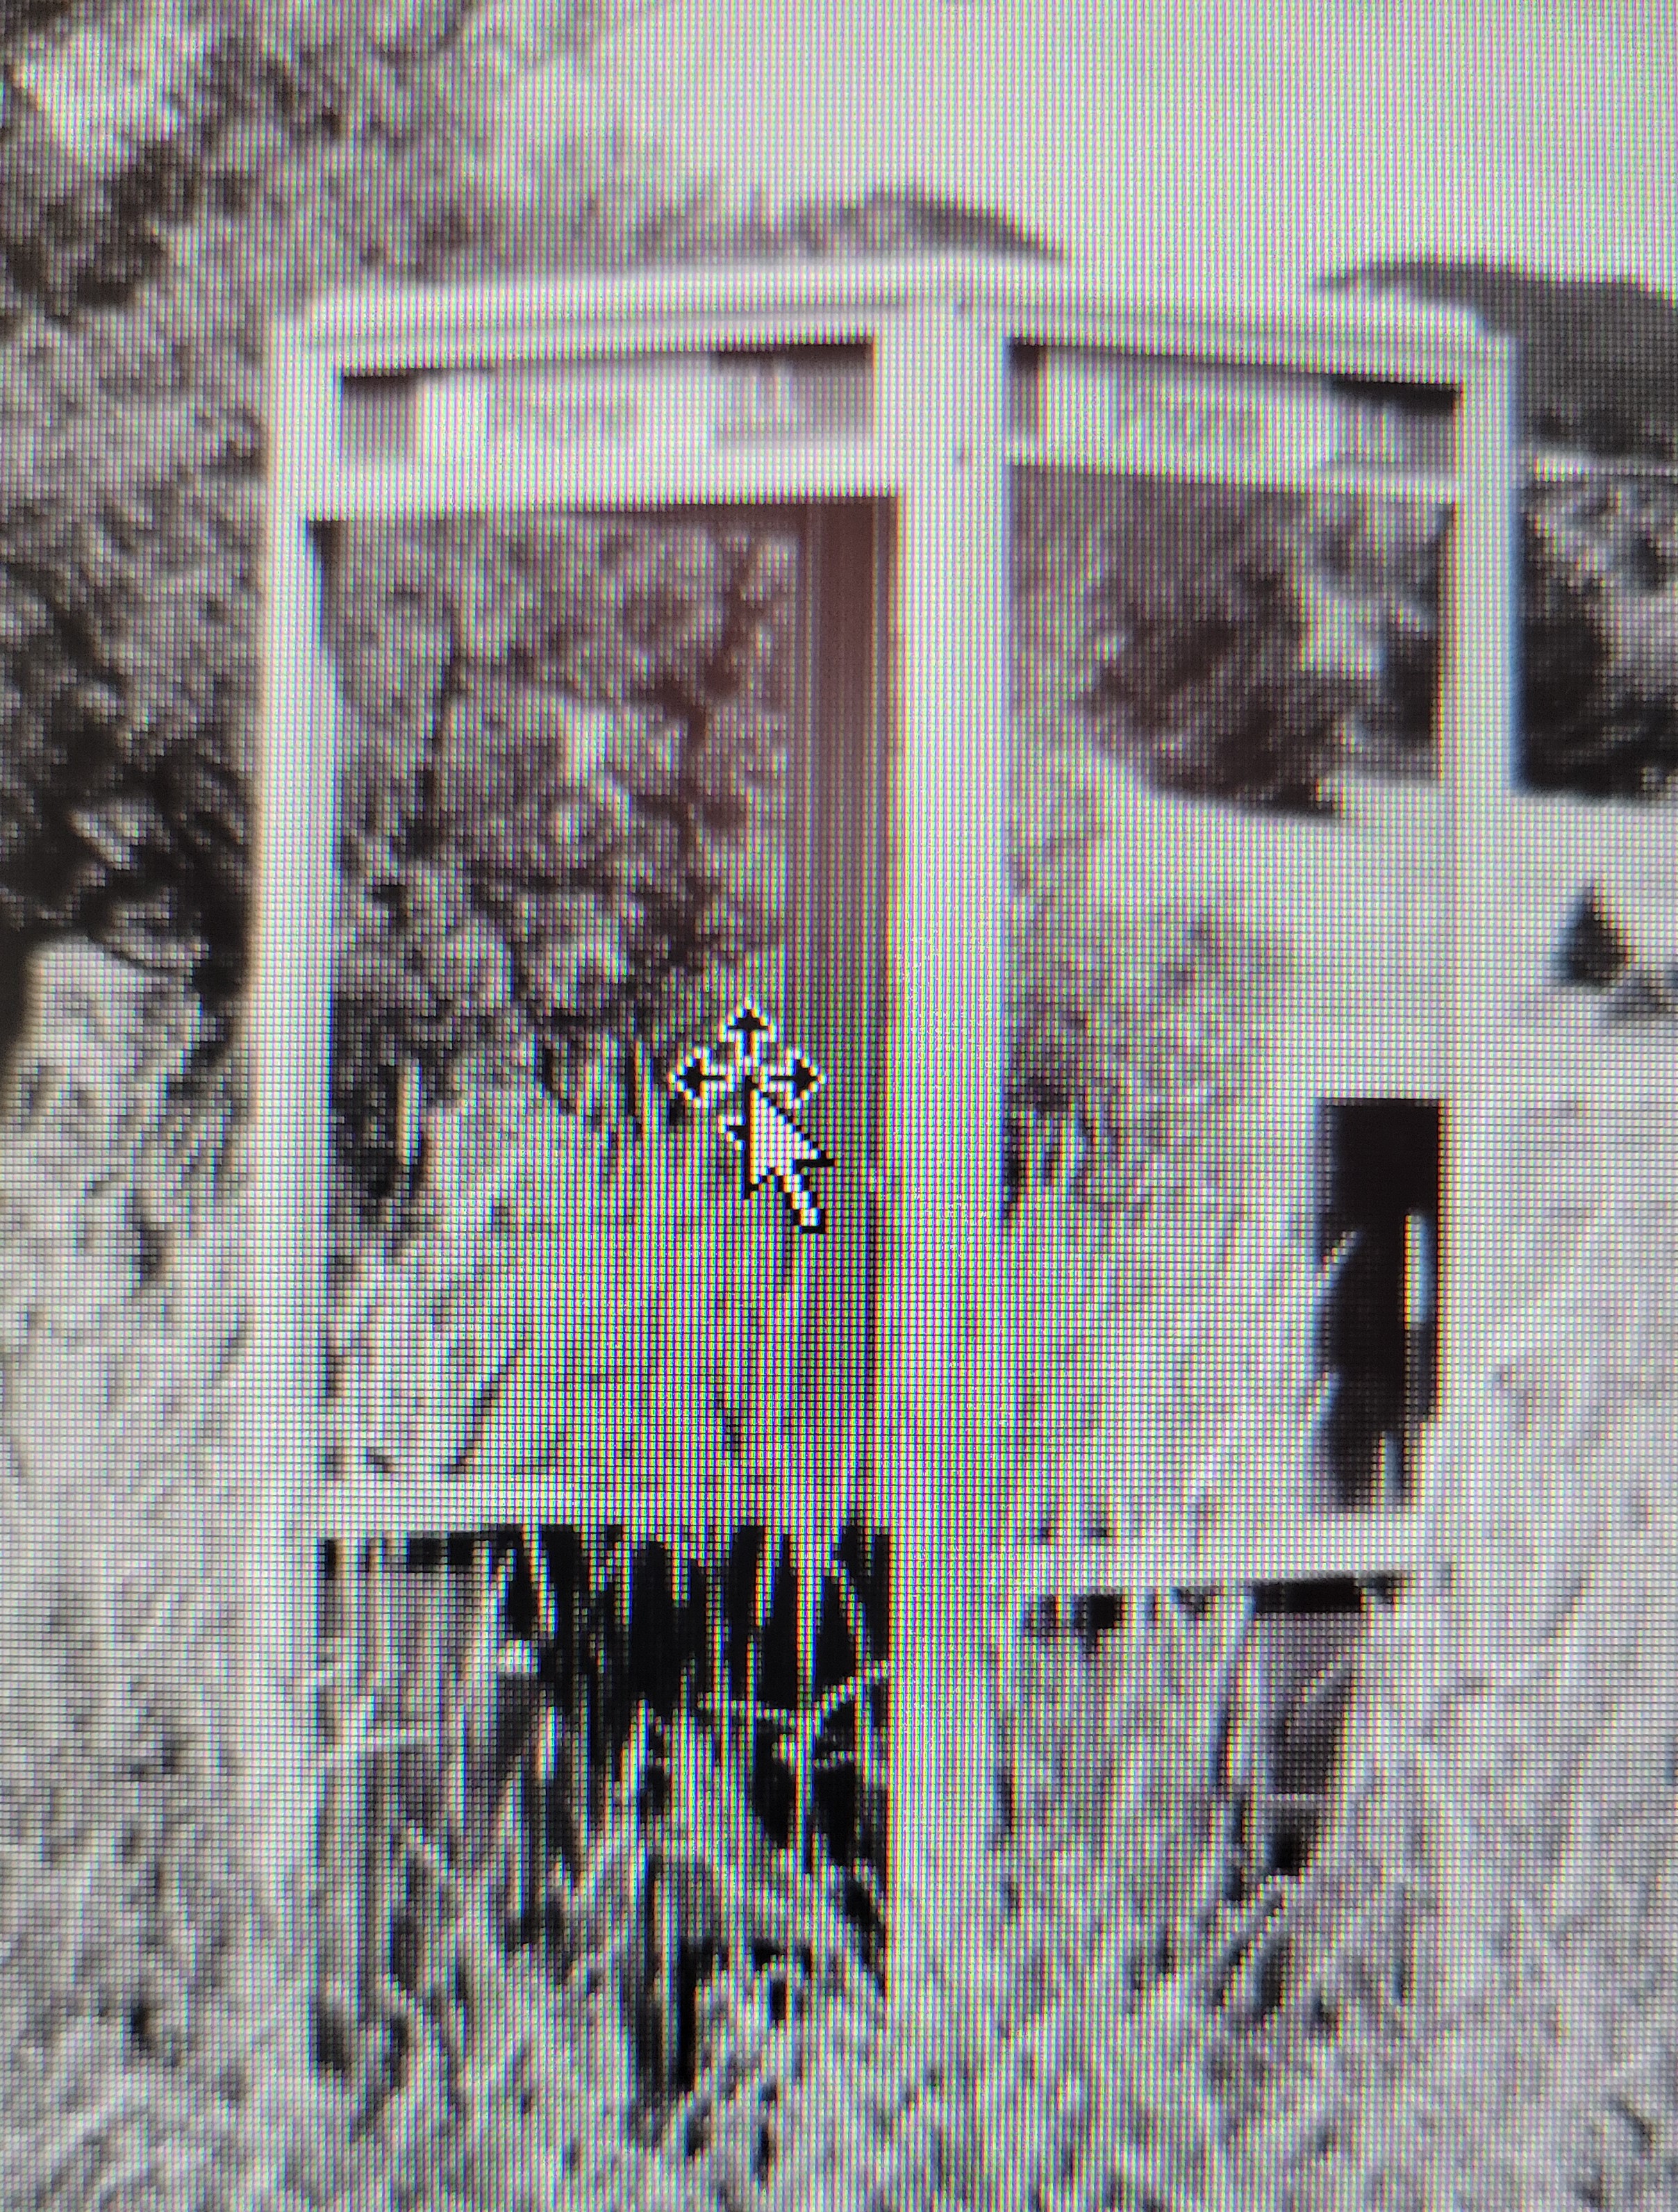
(1413,487)
(390,327)
(496,482)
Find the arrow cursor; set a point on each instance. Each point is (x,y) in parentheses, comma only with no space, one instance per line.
(771,1144)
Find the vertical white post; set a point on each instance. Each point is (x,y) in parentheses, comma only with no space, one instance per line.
(945,381)
(290,1014)
(1481,767)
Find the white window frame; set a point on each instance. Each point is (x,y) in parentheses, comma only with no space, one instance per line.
(942,450)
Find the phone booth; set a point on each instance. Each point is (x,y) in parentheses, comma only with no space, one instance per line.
(645,723)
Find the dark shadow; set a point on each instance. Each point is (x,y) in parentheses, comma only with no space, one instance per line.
(14,949)
(1380,1171)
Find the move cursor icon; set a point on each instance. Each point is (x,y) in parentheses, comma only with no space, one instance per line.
(772,1145)
(748,1066)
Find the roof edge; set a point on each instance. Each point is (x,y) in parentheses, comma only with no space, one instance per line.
(404,324)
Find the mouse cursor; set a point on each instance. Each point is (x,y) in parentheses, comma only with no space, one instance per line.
(771,1144)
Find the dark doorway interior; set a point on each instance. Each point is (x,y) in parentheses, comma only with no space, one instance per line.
(1380,1166)
(1308,1637)
(611,1646)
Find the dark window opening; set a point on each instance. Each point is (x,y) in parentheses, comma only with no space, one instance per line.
(1379,1166)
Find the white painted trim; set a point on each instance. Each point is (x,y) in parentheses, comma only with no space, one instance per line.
(288,1013)
(390,327)
(496,483)
(1415,487)
(946,1418)
(1480,770)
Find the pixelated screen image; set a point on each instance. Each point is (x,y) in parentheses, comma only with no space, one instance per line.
(838,981)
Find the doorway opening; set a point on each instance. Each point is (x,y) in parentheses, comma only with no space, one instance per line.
(1380,1171)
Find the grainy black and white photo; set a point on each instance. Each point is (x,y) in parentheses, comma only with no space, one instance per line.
(839,1014)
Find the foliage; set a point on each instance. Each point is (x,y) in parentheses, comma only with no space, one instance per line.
(1382,562)
(129,520)
(1480,2006)
(644,2005)
(1599,356)
(1196,641)
(308,153)
(1131,1034)
(124,2053)
(1167,1364)
(1078,2048)
(131,431)
(563,784)
(1025,2065)
(134,440)
(1138,1920)
(108,113)
(1564,666)
(576,2059)
(1591,723)
(1599,375)
(1163,1310)
(669,1365)
(1519,1720)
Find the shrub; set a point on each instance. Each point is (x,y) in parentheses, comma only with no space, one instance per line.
(1592,722)
(1192,633)
(562,797)
(124,2057)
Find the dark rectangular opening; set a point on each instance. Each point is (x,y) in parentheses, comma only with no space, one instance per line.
(1309,1639)
(1379,1166)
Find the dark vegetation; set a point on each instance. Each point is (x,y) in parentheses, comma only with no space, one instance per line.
(565,767)
(1599,376)
(1196,641)
(1599,359)
(135,299)
(1185,611)
(1590,722)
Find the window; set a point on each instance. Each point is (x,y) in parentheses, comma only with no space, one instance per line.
(1233,878)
